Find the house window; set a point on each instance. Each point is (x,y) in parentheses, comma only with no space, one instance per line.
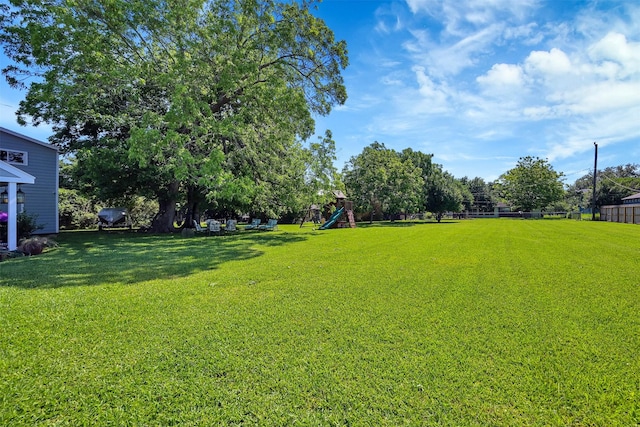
(14,157)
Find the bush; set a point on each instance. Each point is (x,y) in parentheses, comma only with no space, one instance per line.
(27,225)
(75,211)
(142,210)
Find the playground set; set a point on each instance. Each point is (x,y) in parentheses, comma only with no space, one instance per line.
(342,216)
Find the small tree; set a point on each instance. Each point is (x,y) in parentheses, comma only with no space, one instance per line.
(532,184)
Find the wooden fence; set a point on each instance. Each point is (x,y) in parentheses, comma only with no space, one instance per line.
(629,214)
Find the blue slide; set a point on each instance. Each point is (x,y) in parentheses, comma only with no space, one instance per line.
(332,220)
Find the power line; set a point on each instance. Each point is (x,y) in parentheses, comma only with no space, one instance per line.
(618,184)
(586,170)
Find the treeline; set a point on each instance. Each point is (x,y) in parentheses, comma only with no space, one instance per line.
(384,183)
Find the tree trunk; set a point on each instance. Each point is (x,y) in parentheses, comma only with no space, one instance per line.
(163,221)
(193,213)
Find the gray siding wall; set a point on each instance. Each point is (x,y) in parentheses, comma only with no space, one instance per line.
(41,198)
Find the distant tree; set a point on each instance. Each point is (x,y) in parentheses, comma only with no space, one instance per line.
(445,193)
(425,164)
(440,191)
(321,176)
(482,194)
(532,184)
(381,177)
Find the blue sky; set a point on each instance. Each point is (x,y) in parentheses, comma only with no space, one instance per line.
(480,83)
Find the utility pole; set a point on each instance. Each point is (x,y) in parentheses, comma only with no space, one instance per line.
(595,172)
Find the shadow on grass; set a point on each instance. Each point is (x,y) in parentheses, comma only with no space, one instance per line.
(92,258)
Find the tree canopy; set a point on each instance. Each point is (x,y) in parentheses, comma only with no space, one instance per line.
(378,178)
(445,193)
(211,97)
(396,182)
(532,184)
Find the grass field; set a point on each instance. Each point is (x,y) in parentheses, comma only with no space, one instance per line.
(481,322)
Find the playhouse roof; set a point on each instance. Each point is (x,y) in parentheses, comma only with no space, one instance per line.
(339,194)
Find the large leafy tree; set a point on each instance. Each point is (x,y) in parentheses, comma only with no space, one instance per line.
(532,184)
(425,164)
(402,182)
(209,96)
(380,177)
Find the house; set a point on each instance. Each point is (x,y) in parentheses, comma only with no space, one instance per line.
(634,199)
(28,183)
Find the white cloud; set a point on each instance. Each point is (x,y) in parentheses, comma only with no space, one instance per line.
(388,63)
(603,96)
(615,47)
(609,128)
(450,59)
(606,79)
(450,36)
(553,62)
(431,94)
(540,112)
(391,80)
(389,18)
(528,34)
(458,14)
(501,76)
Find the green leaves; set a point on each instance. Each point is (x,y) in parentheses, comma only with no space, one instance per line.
(532,184)
(380,177)
(178,82)
(383,179)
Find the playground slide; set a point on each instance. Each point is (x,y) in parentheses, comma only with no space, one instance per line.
(332,220)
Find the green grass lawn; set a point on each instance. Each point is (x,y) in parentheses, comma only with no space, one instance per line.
(481,322)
